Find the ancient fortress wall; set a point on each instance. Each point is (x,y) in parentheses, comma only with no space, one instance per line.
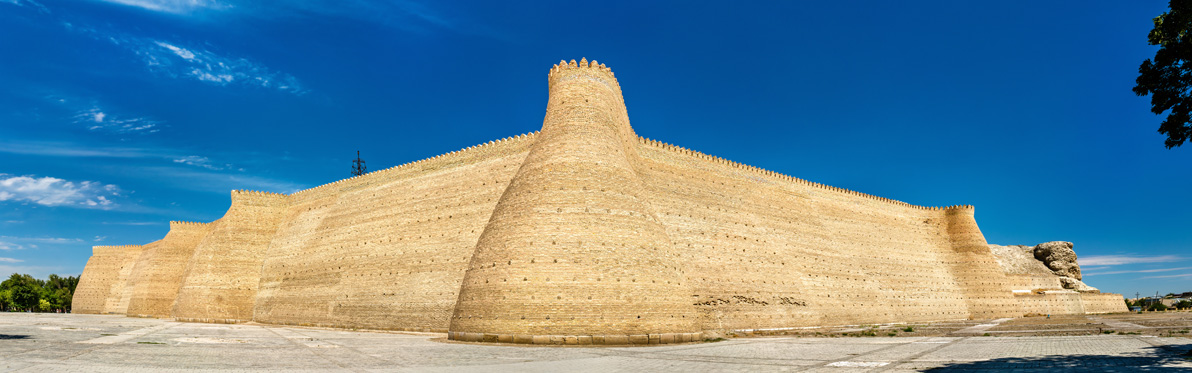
(801,253)
(99,278)
(158,273)
(582,233)
(220,281)
(386,250)
(118,293)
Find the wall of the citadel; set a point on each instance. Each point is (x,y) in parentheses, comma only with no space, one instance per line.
(386,250)
(158,273)
(100,276)
(220,281)
(763,250)
(580,233)
(1103,302)
(117,300)
(574,248)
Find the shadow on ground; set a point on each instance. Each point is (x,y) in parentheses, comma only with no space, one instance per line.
(13,336)
(1158,359)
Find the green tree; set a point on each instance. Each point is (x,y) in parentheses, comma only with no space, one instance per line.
(23,291)
(1183,305)
(1168,78)
(1157,307)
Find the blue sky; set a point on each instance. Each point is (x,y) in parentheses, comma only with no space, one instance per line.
(117,116)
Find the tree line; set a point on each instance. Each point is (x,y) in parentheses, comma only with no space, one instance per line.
(23,293)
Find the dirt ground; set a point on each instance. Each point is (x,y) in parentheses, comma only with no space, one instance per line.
(1164,324)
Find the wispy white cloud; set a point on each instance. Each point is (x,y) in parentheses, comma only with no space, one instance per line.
(1110,260)
(10,260)
(1137,271)
(174,6)
(178,60)
(65,149)
(132,223)
(1188,275)
(7,246)
(97,120)
(28,3)
(8,243)
(402,14)
(209,67)
(199,161)
(207,181)
(100,238)
(52,191)
(35,271)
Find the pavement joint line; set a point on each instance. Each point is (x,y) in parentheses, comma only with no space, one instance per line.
(981,328)
(1118,324)
(914,356)
(312,350)
(347,348)
(859,357)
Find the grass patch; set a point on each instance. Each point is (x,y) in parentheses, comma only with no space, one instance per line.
(909,329)
(150,343)
(106,334)
(1107,332)
(987,335)
(717,339)
(892,334)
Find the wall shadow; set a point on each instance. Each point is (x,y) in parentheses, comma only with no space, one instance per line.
(13,336)
(1154,359)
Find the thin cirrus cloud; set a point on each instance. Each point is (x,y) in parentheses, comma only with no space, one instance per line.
(1137,271)
(9,243)
(175,60)
(97,120)
(174,6)
(1185,275)
(199,161)
(403,14)
(10,260)
(66,149)
(1110,260)
(28,3)
(52,191)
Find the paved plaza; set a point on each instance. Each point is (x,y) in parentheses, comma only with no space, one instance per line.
(102,343)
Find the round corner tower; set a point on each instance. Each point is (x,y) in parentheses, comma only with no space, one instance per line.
(573,252)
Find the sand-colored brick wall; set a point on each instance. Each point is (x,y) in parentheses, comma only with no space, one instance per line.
(119,295)
(1103,302)
(385,250)
(582,233)
(771,251)
(100,275)
(158,274)
(574,247)
(221,278)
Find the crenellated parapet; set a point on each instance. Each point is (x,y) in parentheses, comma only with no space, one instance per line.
(584,70)
(383,174)
(787,178)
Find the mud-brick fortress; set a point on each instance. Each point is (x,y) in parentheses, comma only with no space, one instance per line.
(582,233)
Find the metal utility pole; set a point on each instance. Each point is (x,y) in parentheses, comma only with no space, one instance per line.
(358,167)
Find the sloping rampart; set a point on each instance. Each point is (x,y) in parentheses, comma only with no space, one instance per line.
(386,250)
(158,274)
(221,278)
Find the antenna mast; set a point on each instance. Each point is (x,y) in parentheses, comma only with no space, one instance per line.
(358,167)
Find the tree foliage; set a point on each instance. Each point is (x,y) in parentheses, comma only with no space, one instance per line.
(1168,78)
(25,293)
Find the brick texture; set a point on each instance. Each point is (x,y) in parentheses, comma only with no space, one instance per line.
(581,233)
